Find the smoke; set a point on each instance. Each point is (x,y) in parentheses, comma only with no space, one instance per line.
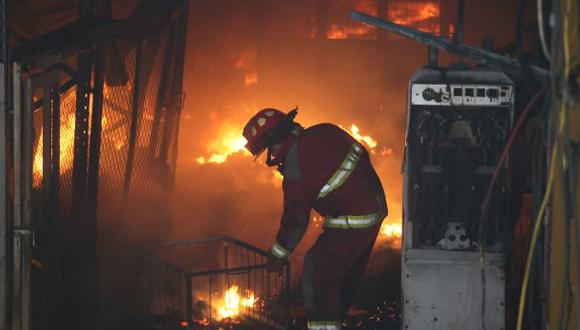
(280,46)
(343,82)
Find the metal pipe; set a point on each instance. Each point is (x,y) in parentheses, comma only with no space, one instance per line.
(17,202)
(227,271)
(458,49)
(3,174)
(458,36)
(189,302)
(27,202)
(210,293)
(134,119)
(4,233)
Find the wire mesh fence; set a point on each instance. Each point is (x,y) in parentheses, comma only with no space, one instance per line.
(103,124)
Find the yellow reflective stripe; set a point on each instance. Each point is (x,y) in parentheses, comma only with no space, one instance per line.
(324,325)
(352,221)
(343,171)
(279,251)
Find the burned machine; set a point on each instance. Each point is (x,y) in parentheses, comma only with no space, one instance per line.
(457,122)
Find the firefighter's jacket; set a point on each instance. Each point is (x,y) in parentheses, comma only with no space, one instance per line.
(327,170)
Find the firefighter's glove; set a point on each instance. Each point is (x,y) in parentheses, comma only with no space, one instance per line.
(275,264)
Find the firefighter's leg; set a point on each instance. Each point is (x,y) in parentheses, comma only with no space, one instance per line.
(322,278)
(353,277)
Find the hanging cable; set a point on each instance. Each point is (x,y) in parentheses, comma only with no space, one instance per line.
(541,31)
(537,225)
(503,157)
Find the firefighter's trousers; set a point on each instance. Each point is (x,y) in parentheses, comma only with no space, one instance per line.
(332,271)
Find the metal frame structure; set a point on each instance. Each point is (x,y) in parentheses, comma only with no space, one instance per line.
(49,229)
(240,259)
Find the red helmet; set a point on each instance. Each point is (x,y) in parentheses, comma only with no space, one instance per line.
(262,126)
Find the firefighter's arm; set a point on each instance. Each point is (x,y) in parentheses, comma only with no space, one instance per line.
(294,221)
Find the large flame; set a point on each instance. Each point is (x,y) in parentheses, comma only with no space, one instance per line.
(233,303)
(228,143)
(67,138)
(355,30)
(391,233)
(421,15)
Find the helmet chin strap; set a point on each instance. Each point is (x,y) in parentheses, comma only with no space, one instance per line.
(272,161)
(277,159)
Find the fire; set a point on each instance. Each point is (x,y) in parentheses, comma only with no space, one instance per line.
(357,31)
(228,143)
(391,233)
(250,78)
(369,141)
(245,61)
(233,303)
(67,138)
(345,32)
(422,15)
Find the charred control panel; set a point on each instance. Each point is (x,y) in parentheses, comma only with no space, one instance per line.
(457,123)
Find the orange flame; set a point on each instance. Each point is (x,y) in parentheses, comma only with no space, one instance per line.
(355,30)
(421,15)
(228,143)
(391,233)
(67,138)
(346,32)
(233,303)
(369,141)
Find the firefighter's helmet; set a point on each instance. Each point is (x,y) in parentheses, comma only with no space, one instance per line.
(262,128)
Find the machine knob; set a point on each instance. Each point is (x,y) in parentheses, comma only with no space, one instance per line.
(429,94)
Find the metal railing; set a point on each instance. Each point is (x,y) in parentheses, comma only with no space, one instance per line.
(188,281)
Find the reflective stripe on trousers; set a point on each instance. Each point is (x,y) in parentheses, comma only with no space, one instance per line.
(324,325)
(353,221)
(343,171)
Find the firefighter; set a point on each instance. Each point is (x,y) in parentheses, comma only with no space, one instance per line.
(325,169)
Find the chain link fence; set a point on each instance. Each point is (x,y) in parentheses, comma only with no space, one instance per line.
(101,155)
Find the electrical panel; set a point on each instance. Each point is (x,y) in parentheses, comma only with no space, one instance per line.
(458,121)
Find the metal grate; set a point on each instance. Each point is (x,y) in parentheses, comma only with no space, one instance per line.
(191,282)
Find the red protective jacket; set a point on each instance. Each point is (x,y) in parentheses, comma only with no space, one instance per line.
(311,161)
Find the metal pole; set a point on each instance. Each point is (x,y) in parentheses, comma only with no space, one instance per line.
(189,301)
(93,166)
(134,119)
(26,231)
(209,289)
(162,95)
(458,36)
(3,174)
(53,191)
(17,202)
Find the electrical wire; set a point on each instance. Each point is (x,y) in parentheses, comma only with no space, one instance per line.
(537,226)
(541,31)
(486,200)
(503,157)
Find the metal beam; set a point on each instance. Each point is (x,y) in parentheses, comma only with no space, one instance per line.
(133,129)
(3,174)
(17,201)
(26,230)
(459,49)
(458,36)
